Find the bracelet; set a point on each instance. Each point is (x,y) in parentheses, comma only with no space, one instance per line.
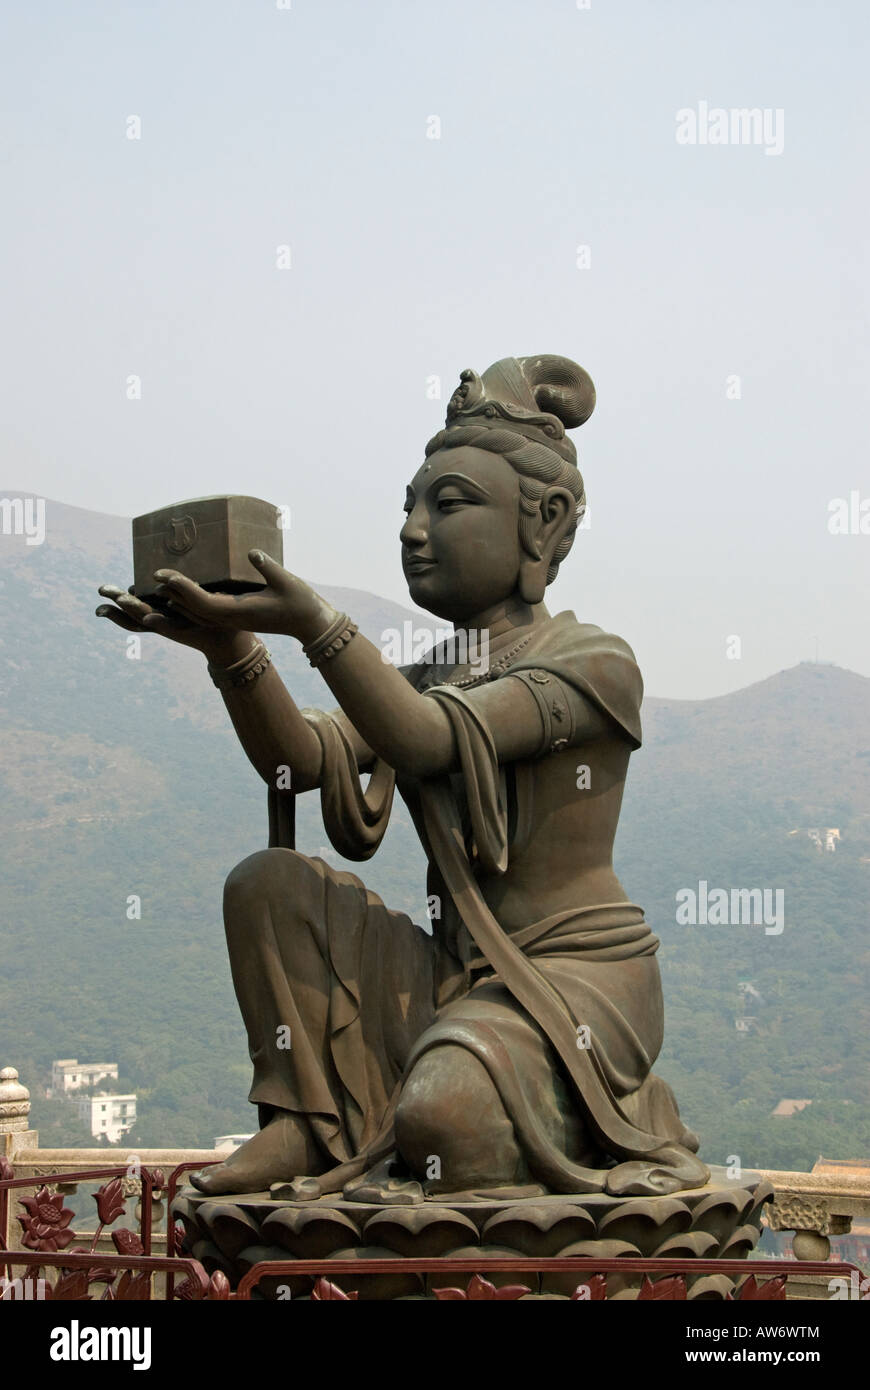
(242,672)
(336,636)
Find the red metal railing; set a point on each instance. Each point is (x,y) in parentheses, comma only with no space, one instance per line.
(197,1285)
(151,1182)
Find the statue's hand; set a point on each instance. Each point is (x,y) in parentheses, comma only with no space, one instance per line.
(287,604)
(134,615)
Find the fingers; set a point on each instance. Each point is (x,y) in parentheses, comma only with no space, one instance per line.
(127,602)
(175,625)
(135,615)
(274,574)
(187,594)
(118,618)
(129,611)
(189,598)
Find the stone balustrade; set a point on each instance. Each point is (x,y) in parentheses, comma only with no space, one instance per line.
(816,1206)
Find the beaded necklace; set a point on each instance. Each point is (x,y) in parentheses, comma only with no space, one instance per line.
(493,672)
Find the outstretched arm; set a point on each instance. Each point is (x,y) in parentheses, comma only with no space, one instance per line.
(269,725)
(274,733)
(408,730)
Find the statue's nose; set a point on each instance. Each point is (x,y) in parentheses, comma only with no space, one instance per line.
(413,533)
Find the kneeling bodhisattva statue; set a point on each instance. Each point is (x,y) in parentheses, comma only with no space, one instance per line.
(512,1048)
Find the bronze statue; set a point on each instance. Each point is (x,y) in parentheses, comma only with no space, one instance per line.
(512,1048)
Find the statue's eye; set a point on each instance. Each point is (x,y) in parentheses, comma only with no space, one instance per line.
(447,504)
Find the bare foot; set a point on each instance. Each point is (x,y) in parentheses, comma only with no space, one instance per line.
(278,1153)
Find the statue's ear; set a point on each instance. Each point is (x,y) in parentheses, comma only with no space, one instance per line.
(556,514)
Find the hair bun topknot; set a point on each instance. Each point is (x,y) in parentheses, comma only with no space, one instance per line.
(560,387)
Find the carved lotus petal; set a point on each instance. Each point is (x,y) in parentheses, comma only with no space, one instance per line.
(721,1213)
(646,1222)
(187,1212)
(229,1226)
(691,1244)
(421,1230)
(210,1257)
(309,1233)
(540,1230)
(603,1249)
(743,1241)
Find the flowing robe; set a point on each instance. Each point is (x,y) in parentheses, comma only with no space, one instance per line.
(563,1009)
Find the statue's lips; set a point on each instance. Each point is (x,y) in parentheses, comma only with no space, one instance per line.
(417,565)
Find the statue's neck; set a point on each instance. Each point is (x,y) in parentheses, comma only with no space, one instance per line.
(505,622)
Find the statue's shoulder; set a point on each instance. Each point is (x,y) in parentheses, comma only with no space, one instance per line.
(565,638)
(601,665)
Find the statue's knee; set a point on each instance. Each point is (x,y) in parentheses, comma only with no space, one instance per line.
(450,1109)
(262,874)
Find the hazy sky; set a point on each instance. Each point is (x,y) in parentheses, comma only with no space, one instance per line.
(412,257)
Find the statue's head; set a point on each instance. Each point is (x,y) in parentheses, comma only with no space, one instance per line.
(493,510)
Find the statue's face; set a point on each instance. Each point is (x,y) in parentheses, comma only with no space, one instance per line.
(461,549)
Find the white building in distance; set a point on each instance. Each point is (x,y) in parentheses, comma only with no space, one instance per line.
(231,1141)
(824,838)
(69,1074)
(108,1115)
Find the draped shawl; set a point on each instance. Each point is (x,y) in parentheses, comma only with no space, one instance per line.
(630,1112)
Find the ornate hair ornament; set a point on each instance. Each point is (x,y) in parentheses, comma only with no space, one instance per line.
(514,393)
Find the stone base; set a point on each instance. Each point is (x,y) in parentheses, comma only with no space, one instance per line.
(720,1220)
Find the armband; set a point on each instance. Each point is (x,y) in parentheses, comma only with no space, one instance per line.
(555,709)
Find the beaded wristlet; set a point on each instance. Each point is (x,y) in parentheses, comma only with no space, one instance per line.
(242,672)
(340,631)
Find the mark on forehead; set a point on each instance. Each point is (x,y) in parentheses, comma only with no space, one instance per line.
(426,467)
